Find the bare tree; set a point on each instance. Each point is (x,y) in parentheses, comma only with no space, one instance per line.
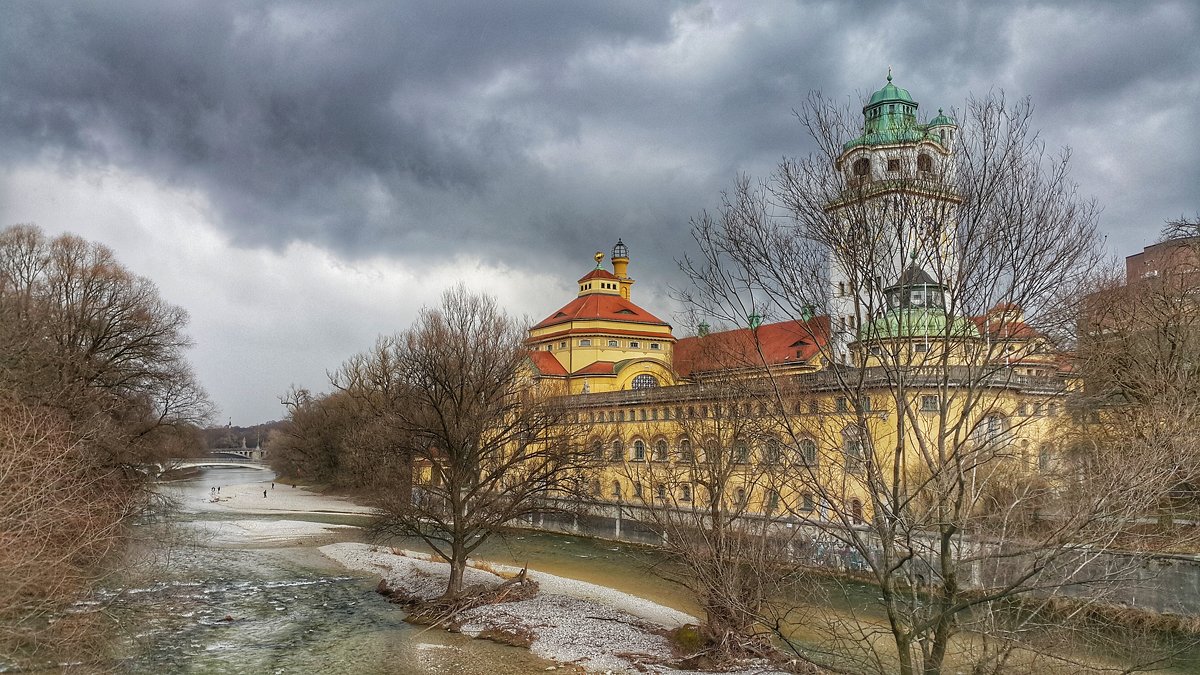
(484,443)
(950,275)
(93,388)
(708,473)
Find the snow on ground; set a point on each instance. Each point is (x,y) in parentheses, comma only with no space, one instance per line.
(282,498)
(267,532)
(576,622)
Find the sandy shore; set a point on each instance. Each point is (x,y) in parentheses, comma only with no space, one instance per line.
(269,533)
(283,498)
(575,623)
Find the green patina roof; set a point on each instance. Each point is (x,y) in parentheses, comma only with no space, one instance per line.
(941,119)
(890,117)
(890,94)
(909,323)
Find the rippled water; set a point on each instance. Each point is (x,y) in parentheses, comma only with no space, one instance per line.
(194,608)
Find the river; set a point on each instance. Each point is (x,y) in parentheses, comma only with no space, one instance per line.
(195,603)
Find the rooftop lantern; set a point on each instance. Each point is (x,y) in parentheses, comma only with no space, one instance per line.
(620,251)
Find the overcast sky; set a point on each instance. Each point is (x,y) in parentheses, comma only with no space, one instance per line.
(303,176)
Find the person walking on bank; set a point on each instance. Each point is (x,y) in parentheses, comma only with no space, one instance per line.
(264,494)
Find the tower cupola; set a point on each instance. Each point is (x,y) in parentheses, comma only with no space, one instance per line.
(620,261)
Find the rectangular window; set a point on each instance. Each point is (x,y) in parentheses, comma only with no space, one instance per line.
(920,347)
(613,343)
(549,348)
(654,345)
(562,345)
(841,404)
(930,403)
(585,343)
(635,345)
(864,404)
(875,350)
(893,165)
(806,502)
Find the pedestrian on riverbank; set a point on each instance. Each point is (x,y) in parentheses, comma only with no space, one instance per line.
(264,494)
(272,486)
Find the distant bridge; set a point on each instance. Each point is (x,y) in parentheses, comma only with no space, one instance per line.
(215,461)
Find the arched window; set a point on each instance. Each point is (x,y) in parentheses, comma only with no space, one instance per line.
(808,451)
(924,162)
(856,511)
(854,448)
(685,451)
(685,493)
(637,490)
(662,493)
(618,451)
(596,487)
(772,500)
(616,489)
(741,452)
(660,450)
(741,496)
(597,451)
(639,450)
(644,381)
(992,431)
(773,454)
(862,167)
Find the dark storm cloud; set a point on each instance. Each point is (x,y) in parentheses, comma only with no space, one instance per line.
(546,129)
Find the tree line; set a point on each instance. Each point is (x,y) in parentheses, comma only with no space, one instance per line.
(94,386)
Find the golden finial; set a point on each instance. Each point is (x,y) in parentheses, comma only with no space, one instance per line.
(599,259)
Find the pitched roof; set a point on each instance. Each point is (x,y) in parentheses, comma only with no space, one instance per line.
(597,368)
(600,306)
(598,274)
(546,364)
(781,343)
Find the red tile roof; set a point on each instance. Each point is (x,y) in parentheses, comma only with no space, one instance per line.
(993,326)
(597,368)
(546,364)
(598,274)
(780,343)
(600,306)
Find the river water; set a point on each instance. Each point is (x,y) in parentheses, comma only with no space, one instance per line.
(289,609)
(194,604)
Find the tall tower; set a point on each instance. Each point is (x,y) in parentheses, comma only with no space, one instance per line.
(898,209)
(620,261)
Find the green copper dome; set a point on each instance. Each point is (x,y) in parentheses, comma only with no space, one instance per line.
(889,94)
(890,118)
(912,323)
(941,120)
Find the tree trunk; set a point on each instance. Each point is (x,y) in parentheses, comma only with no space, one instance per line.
(458,563)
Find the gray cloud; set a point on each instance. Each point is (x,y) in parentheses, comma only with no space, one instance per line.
(540,131)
